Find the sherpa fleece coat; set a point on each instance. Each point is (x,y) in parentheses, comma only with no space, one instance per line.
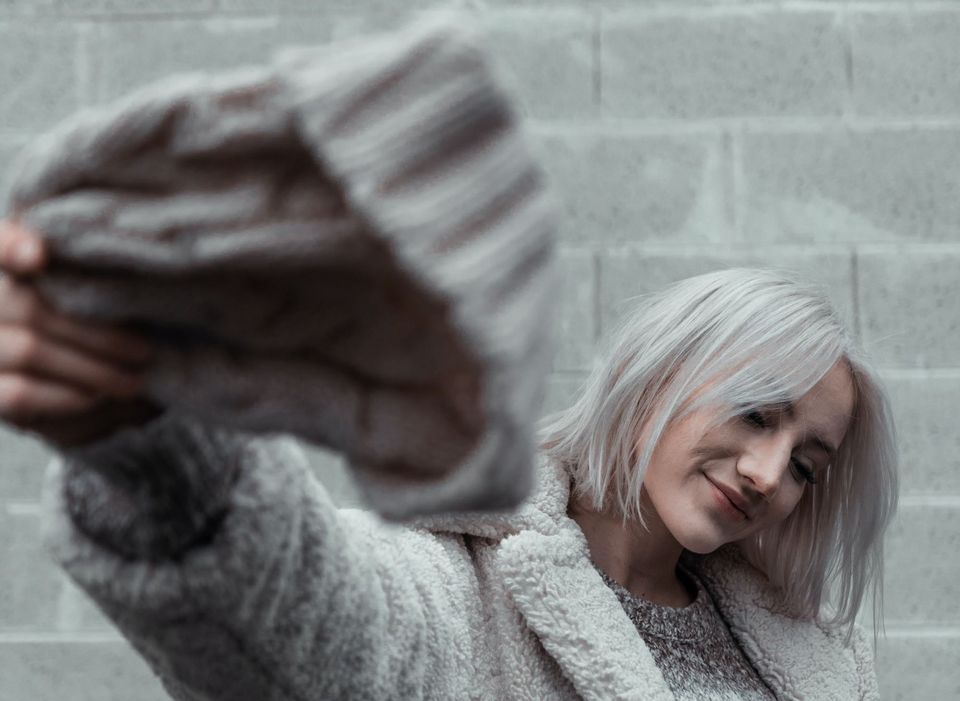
(226,565)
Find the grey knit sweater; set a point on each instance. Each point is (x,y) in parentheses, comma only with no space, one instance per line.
(693,647)
(351,244)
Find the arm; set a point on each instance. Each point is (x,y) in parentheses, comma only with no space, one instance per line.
(225,564)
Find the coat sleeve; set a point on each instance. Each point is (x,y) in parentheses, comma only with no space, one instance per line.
(224,563)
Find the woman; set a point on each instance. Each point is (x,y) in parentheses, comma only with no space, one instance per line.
(728,465)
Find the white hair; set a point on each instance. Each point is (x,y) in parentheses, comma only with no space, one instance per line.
(742,339)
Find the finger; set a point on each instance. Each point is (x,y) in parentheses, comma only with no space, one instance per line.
(106,417)
(21,250)
(100,339)
(26,350)
(24,398)
(24,305)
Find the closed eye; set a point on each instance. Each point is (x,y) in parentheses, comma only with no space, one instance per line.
(755,418)
(805,472)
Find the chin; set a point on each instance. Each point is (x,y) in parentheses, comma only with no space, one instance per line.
(702,540)
(701,546)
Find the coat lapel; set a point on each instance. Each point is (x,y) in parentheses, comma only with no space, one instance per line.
(798,659)
(578,620)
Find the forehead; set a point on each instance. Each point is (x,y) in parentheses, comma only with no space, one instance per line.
(827,409)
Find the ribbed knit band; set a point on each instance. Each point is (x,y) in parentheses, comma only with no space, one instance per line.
(351,244)
(153,492)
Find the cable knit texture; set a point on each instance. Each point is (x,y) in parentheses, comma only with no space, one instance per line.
(289,598)
(351,244)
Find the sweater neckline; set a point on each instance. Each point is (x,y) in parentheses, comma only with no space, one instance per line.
(687,623)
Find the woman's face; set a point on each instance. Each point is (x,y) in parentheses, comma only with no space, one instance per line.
(715,486)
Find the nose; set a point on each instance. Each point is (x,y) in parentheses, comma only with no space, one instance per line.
(763,463)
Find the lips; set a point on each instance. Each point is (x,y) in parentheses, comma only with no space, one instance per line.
(735,498)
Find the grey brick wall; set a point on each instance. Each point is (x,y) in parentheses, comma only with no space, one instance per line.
(681,137)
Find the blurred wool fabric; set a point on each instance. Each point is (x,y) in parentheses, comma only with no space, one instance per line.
(351,244)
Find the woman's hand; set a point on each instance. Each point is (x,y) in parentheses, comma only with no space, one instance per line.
(68,380)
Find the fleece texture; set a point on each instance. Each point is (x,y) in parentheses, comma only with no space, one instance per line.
(271,593)
(351,244)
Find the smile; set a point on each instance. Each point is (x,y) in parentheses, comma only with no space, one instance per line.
(725,506)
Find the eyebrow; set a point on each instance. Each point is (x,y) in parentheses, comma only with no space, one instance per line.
(814,438)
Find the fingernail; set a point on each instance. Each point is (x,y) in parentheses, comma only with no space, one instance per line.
(26,252)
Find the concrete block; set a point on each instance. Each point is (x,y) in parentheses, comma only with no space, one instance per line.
(341,19)
(905,63)
(577,324)
(721,64)
(922,568)
(79,671)
(79,614)
(39,77)
(25,460)
(852,186)
(563,390)
(628,273)
(9,148)
(911,667)
(110,8)
(908,306)
(925,411)
(617,188)
(31,581)
(14,8)
(114,8)
(130,54)
(547,60)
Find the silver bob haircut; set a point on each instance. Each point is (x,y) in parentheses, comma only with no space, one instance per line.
(742,339)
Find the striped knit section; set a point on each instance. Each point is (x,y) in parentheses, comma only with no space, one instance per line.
(352,244)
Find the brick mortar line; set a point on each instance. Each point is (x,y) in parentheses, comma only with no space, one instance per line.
(920,373)
(86,82)
(849,65)
(668,10)
(670,128)
(23,507)
(855,285)
(930,501)
(107,17)
(609,126)
(569,374)
(930,632)
(597,293)
(912,501)
(20,638)
(735,185)
(695,248)
(597,58)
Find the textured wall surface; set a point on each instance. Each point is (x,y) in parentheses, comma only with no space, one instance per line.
(681,137)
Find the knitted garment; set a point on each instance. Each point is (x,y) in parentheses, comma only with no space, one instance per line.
(692,646)
(351,244)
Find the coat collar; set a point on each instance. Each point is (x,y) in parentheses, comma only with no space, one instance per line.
(544,562)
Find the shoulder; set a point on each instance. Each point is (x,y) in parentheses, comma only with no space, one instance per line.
(801,653)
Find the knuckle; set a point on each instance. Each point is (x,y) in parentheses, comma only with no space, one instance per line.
(31,309)
(25,347)
(14,395)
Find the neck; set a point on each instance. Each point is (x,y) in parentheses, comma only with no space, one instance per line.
(642,560)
